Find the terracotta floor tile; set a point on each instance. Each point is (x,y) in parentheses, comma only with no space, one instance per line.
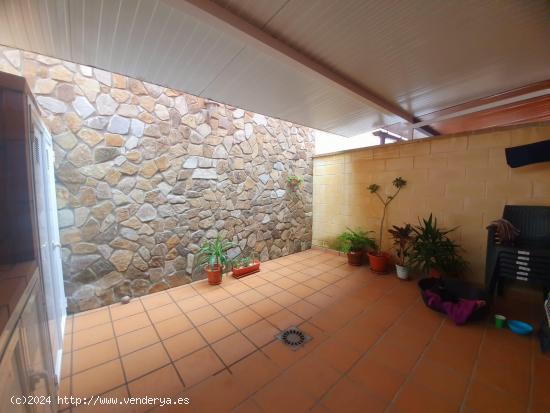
(270,265)
(284,319)
(414,398)
(378,379)
(312,375)
(260,333)
(281,396)
(451,355)
(320,300)
(281,355)
(192,303)
(215,296)
(183,344)
(119,393)
(487,399)
(155,300)
(338,354)
(297,266)
(236,288)
(233,348)
(269,289)
(249,406)
(347,396)
(249,297)
(270,275)
(299,277)
(358,337)
(397,357)
(441,380)
(253,281)
(94,355)
(407,337)
(198,366)
(255,371)
(98,380)
(91,336)
(131,323)
(163,382)
(229,305)
(243,318)
(328,277)
(284,282)
(216,329)
(283,270)
(315,284)
(164,312)
(266,307)
(513,381)
(143,361)
(541,374)
(203,315)
(173,326)
(304,309)
(285,298)
(181,293)
(91,319)
(137,339)
(119,311)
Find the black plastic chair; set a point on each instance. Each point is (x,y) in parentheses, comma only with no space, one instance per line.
(528,259)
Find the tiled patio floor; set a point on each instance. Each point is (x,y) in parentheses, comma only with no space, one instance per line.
(375,348)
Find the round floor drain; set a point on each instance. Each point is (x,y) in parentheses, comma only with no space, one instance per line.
(293,337)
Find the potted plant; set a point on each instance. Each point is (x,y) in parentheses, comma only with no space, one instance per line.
(378,259)
(402,239)
(243,266)
(353,243)
(212,257)
(433,252)
(294,181)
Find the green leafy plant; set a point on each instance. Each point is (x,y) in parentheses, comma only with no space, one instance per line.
(398,183)
(402,240)
(357,240)
(294,181)
(433,249)
(214,253)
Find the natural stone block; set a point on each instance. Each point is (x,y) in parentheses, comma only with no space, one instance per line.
(121,259)
(105,154)
(83,107)
(118,124)
(114,139)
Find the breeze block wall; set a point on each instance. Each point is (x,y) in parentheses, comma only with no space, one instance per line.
(145,174)
(462,179)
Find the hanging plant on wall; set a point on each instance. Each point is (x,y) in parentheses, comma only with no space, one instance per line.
(379,259)
(294,182)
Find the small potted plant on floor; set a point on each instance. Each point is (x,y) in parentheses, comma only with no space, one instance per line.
(243,266)
(294,182)
(378,259)
(213,258)
(402,238)
(433,252)
(354,243)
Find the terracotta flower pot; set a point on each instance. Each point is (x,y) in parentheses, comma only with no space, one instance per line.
(355,258)
(435,273)
(379,262)
(214,274)
(243,272)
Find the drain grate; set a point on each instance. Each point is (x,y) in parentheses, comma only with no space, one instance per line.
(293,337)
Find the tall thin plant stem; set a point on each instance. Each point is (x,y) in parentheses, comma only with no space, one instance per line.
(385,203)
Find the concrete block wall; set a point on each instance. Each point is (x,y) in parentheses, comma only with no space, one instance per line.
(462,179)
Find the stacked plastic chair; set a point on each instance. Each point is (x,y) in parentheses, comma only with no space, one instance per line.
(528,259)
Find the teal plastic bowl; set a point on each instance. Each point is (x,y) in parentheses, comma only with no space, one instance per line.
(519,327)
